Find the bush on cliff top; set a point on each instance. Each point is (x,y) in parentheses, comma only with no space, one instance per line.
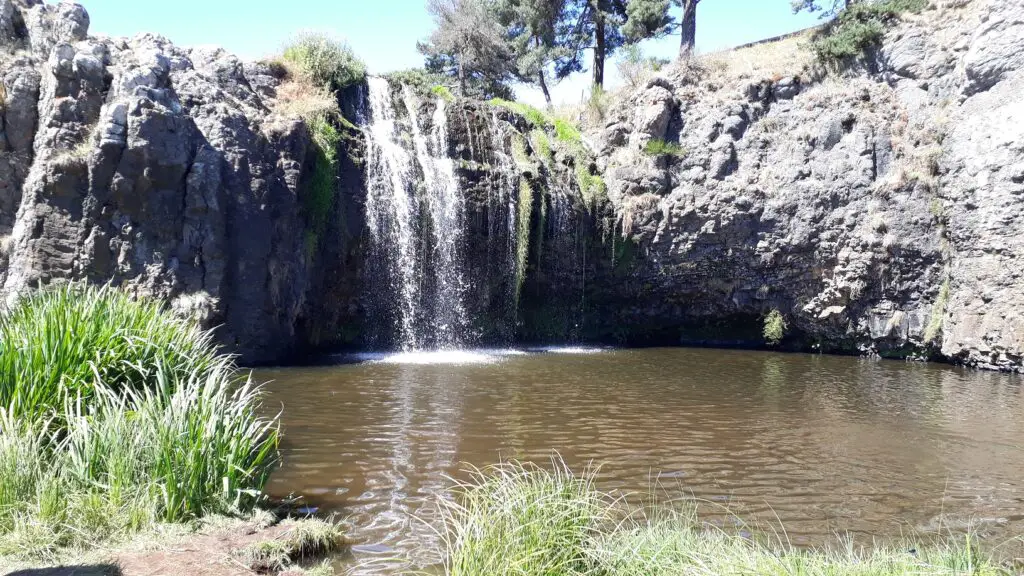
(116,415)
(328,62)
(859,27)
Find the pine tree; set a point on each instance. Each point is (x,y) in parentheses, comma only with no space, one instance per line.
(469,42)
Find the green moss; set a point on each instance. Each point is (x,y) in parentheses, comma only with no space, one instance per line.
(663,148)
(534,116)
(567,133)
(774,327)
(525,213)
(323,183)
(542,145)
(859,27)
(593,190)
(443,92)
(935,321)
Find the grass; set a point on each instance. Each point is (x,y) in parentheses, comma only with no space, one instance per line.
(518,519)
(535,117)
(316,68)
(660,148)
(774,327)
(300,541)
(542,146)
(859,27)
(56,344)
(117,416)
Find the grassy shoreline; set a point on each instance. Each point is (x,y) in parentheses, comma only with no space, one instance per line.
(520,519)
(119,419)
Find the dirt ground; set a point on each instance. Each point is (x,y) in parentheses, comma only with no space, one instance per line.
(209,551)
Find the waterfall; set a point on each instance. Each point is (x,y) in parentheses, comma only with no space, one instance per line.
(415,214)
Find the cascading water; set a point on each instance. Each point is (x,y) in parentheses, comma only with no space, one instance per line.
(415,215)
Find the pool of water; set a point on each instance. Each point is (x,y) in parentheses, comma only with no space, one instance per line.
(817,445)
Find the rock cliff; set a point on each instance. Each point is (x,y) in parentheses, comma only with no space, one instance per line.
(159,169)
(878,208)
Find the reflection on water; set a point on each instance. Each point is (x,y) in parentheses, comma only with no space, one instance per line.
(822,444)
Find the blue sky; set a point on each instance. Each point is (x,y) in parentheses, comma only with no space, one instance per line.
(384,32)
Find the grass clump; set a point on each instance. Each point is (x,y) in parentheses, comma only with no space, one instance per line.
(774,327)
(316,68)
(116,416)
(518,519)
(523,520)
(328,62)
(542,145)
(658,148)
(300,540)
(859,27)
(57,344)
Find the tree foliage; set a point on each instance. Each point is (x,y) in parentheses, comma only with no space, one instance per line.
(540,40)
(468,43)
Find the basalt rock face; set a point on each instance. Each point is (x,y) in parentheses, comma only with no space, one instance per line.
(161,170)
(879,211)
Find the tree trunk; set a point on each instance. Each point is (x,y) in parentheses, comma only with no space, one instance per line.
(599,46)
(544,87)
(688,29)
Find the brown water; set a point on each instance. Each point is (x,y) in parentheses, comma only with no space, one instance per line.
(822,445)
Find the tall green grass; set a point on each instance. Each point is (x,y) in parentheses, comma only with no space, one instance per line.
(62,341)
(141,421)
(517,519)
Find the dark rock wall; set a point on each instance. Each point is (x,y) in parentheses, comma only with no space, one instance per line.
(878,210)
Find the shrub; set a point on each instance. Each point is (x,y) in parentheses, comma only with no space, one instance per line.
(329,63)
(663,148)
(859,27)
(774,328)
(635,67)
